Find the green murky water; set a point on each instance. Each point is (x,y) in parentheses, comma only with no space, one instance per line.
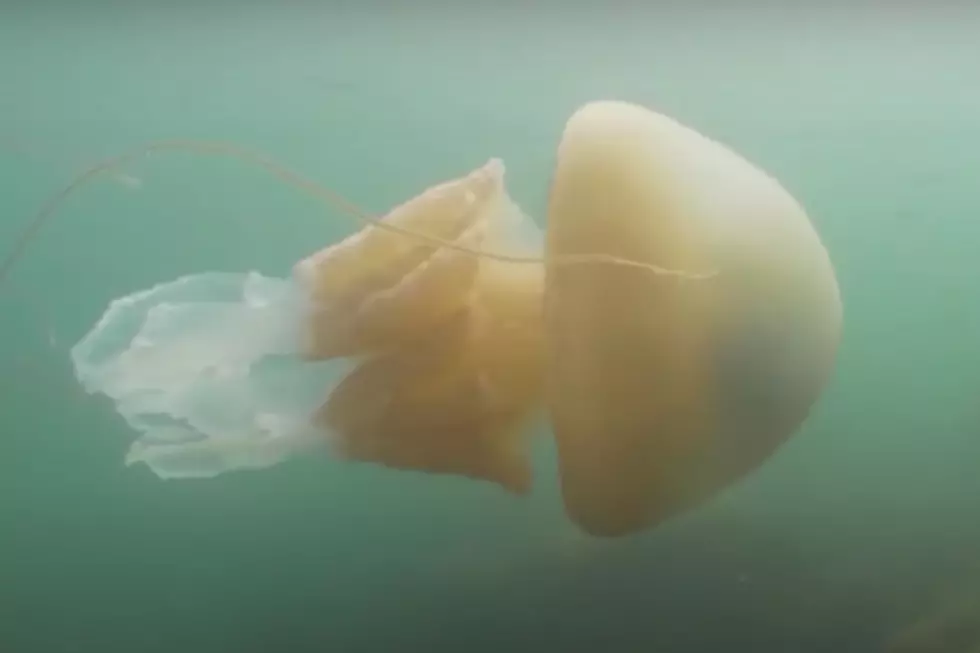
(863,526)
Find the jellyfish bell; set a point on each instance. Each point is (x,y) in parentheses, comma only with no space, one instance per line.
(662,391)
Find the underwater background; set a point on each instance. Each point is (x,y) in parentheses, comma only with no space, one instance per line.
(861,534)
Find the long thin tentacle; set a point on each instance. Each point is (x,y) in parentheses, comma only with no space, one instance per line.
(305,184)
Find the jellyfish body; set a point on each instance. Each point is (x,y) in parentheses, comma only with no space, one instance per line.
(661,391)
(417,354)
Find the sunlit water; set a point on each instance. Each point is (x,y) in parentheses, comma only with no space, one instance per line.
(862,526)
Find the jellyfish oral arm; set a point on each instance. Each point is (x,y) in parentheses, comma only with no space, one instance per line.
(207,370)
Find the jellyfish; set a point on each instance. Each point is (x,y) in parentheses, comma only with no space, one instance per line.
(673,323)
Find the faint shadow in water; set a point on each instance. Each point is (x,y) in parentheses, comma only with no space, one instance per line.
(712,584)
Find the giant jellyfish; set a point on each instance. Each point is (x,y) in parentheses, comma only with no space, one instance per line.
(673,321)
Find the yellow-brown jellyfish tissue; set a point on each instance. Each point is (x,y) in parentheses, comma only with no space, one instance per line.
(675,323)
(453,342)
(662,390)
(403,353)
